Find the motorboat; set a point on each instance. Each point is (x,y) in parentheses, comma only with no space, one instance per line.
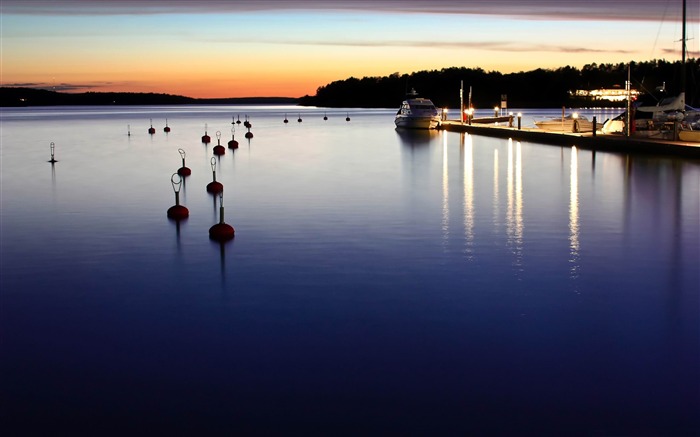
(567,123)
(417,113)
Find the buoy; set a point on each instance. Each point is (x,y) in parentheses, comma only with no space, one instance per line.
(151,130)
(213,186)
(53,159)
(299,119)
(249,134)
(324,116)
(219,149)
(206,139)
(246,123)
(177,211)
(239,119)
(233,144)
(347,118)
(285,118)
(221,231)
(166,128)
(183,171)
(128,130)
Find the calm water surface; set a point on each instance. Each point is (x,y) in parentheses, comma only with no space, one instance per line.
(380,281)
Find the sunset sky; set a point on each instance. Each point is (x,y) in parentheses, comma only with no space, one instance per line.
(212,48)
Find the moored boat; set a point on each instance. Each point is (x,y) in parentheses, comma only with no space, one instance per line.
(417,113)
(569,123)
(692,136)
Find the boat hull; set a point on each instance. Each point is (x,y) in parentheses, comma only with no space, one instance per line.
(565,126)
(689,135)
(408,122)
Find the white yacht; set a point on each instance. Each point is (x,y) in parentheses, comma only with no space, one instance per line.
(417,113)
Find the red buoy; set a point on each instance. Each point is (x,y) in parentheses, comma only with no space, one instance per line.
(219,149)
(299,119)
(214,186)
(177,211)
(53,158)
(233,144)
(249,134)
(285,118)
(166,128)
(183,171)
(151,130)
(347,118)
(206,139)
(325,117)
(221,231)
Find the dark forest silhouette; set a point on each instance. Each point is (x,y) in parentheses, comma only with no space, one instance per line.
(540,88)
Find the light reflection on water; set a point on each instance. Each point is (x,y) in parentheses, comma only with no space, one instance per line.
(390,279)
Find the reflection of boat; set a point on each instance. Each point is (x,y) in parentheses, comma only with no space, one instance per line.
(417,113)
(569,123)
(416,137)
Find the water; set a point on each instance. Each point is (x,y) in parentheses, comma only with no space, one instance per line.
(380,282)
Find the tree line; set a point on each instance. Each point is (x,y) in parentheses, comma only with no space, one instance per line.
(540,88)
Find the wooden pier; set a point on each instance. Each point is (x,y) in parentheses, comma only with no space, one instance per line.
(599,141)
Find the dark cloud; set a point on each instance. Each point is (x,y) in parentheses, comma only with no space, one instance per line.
(647,10)
(63,86)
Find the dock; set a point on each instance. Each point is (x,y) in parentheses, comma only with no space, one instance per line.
(589,140)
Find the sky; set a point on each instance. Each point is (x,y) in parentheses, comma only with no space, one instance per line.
(289,48)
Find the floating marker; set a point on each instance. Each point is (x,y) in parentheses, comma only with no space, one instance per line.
(324,116)
(53,159)
(249,134)
(177,211)
(206,139)
(239,119)
(233,144)
(151,130)
(285,118)
(183,171)
(246,123)
(166,128)
(128,130)
(219,149)
(221,231)
(213,186)
(299,119)
(347,118)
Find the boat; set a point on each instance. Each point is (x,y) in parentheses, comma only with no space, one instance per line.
(566,123)
(670,119)
(691,136)
(417,113)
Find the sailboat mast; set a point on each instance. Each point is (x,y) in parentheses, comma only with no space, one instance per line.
(683,39)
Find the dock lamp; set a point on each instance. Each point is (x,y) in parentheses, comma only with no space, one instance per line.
(470,115)
(495,111)
(444,114)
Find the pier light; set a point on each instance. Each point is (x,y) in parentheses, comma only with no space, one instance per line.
(495,111)
(574,115)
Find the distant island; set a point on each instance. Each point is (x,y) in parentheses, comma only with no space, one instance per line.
(540,88)
(10,96)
